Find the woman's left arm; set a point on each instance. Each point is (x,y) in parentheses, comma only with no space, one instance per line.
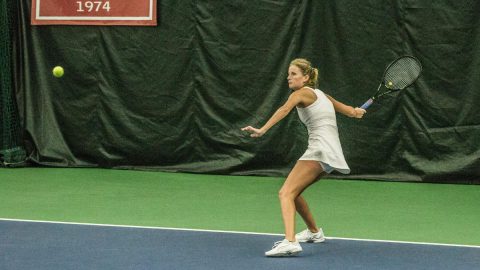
(293,100)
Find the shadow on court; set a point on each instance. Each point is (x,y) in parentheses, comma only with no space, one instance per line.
(38,245)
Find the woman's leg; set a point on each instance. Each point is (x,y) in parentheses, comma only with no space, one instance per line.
(304,211)
(302,175)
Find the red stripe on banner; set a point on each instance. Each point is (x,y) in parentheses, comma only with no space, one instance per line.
(94,12)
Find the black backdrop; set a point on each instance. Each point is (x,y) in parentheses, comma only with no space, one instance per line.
(173,97)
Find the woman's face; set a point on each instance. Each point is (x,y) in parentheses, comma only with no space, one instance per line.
(296,79)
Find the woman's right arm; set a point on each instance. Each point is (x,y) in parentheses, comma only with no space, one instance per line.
(345,109)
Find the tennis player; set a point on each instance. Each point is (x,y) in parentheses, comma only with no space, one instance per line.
(323,155)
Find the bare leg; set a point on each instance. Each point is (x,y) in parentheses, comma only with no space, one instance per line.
(302,208)
(302,175)
(304,211)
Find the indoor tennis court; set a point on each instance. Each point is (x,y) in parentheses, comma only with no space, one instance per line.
(185,134)
(113,219)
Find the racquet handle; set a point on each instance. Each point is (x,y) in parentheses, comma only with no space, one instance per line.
(367,104)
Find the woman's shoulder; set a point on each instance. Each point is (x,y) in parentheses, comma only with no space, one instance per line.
(308,96)
(310,89)
(307,90)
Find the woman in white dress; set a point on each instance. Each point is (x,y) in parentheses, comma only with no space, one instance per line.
(323,155)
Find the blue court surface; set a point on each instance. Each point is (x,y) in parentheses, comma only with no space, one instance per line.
(42,245)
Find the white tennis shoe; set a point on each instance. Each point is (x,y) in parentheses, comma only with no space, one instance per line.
(309,237)
(284,248)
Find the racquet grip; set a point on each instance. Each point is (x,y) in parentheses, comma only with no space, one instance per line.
(367,104)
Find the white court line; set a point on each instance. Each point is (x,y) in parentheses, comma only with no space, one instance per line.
(232,232)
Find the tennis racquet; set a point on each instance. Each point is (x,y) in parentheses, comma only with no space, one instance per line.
(398,75)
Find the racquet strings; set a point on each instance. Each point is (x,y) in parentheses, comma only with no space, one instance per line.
(402,73)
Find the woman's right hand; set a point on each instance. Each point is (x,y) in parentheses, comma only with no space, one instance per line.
(254,132)
(359,112)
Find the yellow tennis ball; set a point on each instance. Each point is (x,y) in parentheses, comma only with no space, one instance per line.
(390,83)
(58,71)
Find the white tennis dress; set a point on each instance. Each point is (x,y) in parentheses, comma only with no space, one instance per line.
(323,142)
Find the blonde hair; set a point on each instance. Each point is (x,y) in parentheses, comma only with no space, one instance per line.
(306,67)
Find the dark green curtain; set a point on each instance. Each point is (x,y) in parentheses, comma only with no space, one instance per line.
(12,152)
(174,97)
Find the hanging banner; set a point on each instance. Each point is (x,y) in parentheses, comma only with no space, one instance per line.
(93,12)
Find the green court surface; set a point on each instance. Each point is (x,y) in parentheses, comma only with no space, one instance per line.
(418,212)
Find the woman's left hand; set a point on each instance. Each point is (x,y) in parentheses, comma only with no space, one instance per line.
(254,132)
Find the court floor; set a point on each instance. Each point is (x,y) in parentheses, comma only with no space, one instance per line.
(51,245)
(54,218)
